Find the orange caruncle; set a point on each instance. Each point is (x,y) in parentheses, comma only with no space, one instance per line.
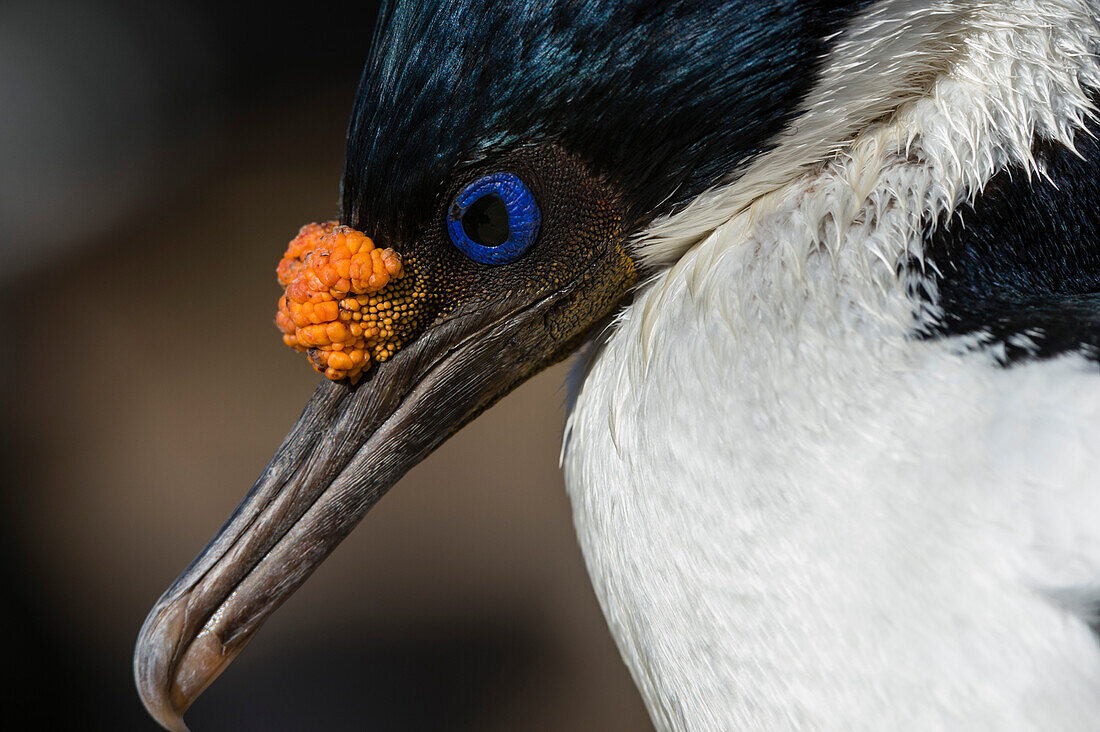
(344,299)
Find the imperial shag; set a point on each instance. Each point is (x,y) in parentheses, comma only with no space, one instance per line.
(834,435)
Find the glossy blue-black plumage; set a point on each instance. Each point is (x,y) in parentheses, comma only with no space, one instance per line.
(664,99)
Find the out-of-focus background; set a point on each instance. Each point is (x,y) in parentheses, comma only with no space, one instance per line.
(154,160)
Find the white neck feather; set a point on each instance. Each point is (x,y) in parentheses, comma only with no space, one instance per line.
(794,514)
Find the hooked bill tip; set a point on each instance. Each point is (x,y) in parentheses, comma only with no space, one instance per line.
(156,644)
(167,679)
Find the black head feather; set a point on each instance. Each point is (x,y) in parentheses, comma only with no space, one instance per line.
(663,99)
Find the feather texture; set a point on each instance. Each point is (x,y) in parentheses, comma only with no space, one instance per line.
(797,514)
(655,95)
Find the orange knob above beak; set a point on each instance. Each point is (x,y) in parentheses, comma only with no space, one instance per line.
(347,303)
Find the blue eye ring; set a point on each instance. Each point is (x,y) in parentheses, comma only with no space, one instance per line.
(524,218)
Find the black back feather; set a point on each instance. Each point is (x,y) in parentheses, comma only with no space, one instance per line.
(1021,268)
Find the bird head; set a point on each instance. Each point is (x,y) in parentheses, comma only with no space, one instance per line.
(502,159)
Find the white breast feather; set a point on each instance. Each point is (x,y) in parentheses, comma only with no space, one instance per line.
(797,516)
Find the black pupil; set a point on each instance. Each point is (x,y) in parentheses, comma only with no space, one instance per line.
(486,221)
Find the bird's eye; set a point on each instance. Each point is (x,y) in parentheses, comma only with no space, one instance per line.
(494,220)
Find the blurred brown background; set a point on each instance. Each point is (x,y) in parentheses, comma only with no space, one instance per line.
(154,160)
